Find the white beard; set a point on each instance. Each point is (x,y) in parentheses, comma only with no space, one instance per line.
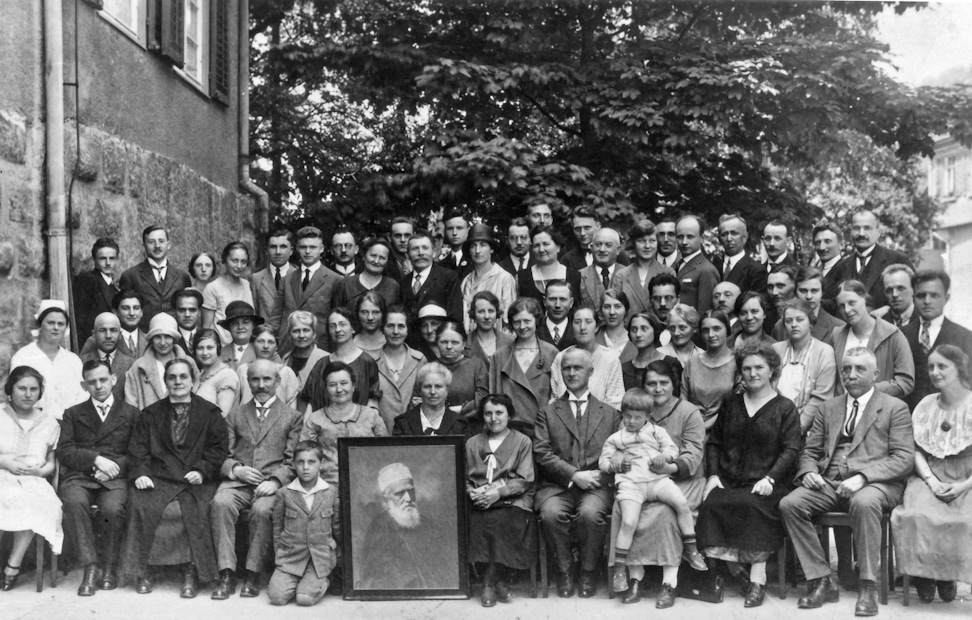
(408,517)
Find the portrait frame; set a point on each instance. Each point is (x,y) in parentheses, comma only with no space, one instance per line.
(437,467)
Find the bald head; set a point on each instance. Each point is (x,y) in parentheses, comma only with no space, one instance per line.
(263,378)
(605,247)
(724,297)
(107,331)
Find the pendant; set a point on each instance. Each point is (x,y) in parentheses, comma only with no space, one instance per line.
(946,426)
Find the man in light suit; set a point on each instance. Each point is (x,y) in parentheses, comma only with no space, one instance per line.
(93,452)
(107,339)
(94,290)
(931,295)
(597,278)
(858,454)
(428,283)
(309,287)
(262,435)
(696,274)
(869,259)
(266,284)
(737,266)
(155,278)
(574,496)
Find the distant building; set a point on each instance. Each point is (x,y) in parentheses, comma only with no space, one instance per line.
(950,248)
(147,101)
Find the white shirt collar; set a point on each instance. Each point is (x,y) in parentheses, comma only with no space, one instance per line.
(779,260)
(686,259)
(108,404)
(426,423)
(158,265)
(345,270)
(562,325)
(267,404)
(867,252)
(422,275)
(668,261)
(105,277)
(610,269)
(862,401)
(733,260)
(586,396)
(283,269)
(313,269)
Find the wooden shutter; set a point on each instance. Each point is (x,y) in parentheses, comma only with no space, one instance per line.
(219,50)
(153,25)
(173,31)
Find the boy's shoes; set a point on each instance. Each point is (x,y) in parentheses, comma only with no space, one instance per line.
(620,581)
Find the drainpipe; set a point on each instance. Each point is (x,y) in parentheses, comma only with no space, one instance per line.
(262,215)
(57,258)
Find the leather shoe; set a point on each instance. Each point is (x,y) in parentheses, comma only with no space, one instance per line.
(9,581)
(588,585)
(503,594)
(189,586)
(633,593)
(89,583)
(143,585)
(109,578)
(666,598)
(620,580)
(251,585)
(489,596)
(946,590)
(867,604)
(226,585)
(819,591)
(925,588)
(565,584)
(755,595)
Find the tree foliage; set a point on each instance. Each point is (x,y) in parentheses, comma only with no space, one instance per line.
(365,109)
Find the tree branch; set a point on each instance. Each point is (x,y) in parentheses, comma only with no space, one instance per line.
(550,117)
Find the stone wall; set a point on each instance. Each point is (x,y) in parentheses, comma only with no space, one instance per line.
(115,190)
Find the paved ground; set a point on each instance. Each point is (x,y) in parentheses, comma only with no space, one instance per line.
(62,602)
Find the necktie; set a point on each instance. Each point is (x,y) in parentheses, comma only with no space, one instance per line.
(605,277)
(556,334)
(862,261)
(579,409)
(769,266)
(104,411)
(924,339)
(522,264)
(131,344)
(679,265)
(306,281)
(107,359)
(851,423)
(276,278)
(725,269)
(429,431)
(417,284)
(158,273)
(261,413)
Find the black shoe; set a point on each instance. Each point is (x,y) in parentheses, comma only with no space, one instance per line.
(189,587)
(109,578)
(489,596)
(89,583)
(756,594)
(819,591)
(9,581)
(225,587)
(666,598)
(946,590)
(503,594)
(867,604)
(588,584)
(565,584)
(633,593)
(143,585)
(925,588)
(251,585)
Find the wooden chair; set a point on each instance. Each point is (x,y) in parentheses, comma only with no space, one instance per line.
(40,543)
(828,520)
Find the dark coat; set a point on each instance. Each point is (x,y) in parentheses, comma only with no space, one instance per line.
(880,258)
(92,296)
(951,333)
(157,296)
(774,267)
(566,339)
(316,299)
(507,263)
(410,424)
(527,288)
(153,453)
(698,278)
(628,280)
(120,363)
(141,343)
(302,536)
(441,287)
(462,269)
(748,274)
(529,390)
(85,437)
(576,258)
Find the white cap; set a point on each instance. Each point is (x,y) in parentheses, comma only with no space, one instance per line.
(390,474)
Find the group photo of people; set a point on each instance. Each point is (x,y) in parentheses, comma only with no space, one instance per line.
(636,406)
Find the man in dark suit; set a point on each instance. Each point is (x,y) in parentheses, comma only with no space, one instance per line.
(455,232)
(262,435)
(518,241)
(556,327)
(931,295)
(344,254)
(267,284)
(93,452)
(827,243)
(668,254)
(309,287)
(107,340)
(93,290)
(597,278)
(187,305)
(737,266)
(155,278)
(574,497)
(858,454)
(585,223)
(900,310)
(696,274)
(776,242)
(809,288)
(132,340)
(429,283)
(869,259)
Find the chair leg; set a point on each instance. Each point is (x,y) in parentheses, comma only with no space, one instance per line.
(542,546)
(39,542)
(891,575)
(825,541)
(53,569)
(533,581)
(906,586)
(884,563)
(781,558)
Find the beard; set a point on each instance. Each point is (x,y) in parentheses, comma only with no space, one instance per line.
(407,517)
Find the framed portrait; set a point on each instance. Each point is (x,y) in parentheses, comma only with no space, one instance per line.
(403,516)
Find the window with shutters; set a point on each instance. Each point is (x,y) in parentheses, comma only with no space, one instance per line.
(195,31)
(126,15)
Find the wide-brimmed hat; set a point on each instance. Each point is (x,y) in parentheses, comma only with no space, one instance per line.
(480,232)
(240,310)
(431,311)
(163,324)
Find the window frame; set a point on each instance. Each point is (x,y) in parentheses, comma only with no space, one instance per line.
(200,81)
(138,34)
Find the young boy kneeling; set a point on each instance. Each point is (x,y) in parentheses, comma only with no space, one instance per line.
(305,526)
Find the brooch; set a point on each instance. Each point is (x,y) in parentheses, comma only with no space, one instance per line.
(946,426)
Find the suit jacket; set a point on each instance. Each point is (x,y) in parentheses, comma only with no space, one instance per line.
(628,280)
(566,339)
(143,386)
(748,274)
(141,343)
(158,296)
(267,446)
(462,269)
(880,258)
(829,285)
(950,333)
(92,296)
(507,264)
(526,287)
(315,299)
(302,536)
(410,423)
(577,258)
(698,278)
(358,267)
(228,356)
(120,363)
(823,329)
(787,260)
(561,448)
(265,292)
(529,390)
(85,437)
(882,449)
(592,285)
(441,287)
(896,367)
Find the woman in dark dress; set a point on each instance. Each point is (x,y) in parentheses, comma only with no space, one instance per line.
(749,459)
(642,336)
(469,378)
(431,416)
(347,292)
(500,486)
(545,245)
(341,328)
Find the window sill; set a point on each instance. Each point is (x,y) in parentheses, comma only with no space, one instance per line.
(123,28)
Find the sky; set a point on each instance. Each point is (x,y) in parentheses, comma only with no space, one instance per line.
(926,43)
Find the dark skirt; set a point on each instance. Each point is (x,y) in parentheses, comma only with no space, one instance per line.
(739,519)
(506,535)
